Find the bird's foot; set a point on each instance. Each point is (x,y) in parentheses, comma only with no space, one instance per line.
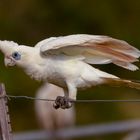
(62,102)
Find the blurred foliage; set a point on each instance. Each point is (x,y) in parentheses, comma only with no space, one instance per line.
(29,21)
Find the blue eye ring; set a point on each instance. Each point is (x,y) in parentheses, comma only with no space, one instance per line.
(16,55)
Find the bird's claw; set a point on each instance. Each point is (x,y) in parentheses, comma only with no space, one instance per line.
(62,102)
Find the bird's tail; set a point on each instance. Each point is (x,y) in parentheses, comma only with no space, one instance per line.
(122,83)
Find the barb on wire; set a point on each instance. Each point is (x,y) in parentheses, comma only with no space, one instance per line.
(74,101)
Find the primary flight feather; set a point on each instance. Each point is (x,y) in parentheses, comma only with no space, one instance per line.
(65,61)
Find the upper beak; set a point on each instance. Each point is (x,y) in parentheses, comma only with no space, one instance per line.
(9,62)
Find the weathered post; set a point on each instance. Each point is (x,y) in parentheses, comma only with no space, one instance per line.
(5,127)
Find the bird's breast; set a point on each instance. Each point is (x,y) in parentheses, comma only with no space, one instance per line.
(36,72)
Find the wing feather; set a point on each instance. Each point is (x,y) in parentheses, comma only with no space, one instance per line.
(95,49)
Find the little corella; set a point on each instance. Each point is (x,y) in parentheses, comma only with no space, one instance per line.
(65,61)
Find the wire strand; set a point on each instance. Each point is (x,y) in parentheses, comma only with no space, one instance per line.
(75,101)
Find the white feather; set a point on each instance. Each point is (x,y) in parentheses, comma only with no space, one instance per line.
(95,49)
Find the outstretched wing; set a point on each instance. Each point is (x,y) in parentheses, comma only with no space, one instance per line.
(94,49)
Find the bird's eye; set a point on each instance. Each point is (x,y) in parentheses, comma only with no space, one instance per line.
(16,55)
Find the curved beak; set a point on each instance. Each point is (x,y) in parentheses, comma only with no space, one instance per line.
(9,62)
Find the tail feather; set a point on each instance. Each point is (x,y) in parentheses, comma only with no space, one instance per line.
(122,83)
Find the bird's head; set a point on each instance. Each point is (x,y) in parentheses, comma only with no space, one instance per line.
(14,54)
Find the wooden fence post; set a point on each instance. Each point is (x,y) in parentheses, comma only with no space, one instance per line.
(5,127)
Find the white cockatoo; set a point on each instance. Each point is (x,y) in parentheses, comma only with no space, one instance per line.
(65,61)
(49,118)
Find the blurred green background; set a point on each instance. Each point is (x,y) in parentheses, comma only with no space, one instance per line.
(29,21)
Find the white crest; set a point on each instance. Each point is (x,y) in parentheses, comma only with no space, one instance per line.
(6,43)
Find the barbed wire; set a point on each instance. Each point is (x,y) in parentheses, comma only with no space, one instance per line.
(74,101)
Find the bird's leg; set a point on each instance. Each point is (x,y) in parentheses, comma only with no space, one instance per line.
(57,103)
(62,102)
(65,101)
